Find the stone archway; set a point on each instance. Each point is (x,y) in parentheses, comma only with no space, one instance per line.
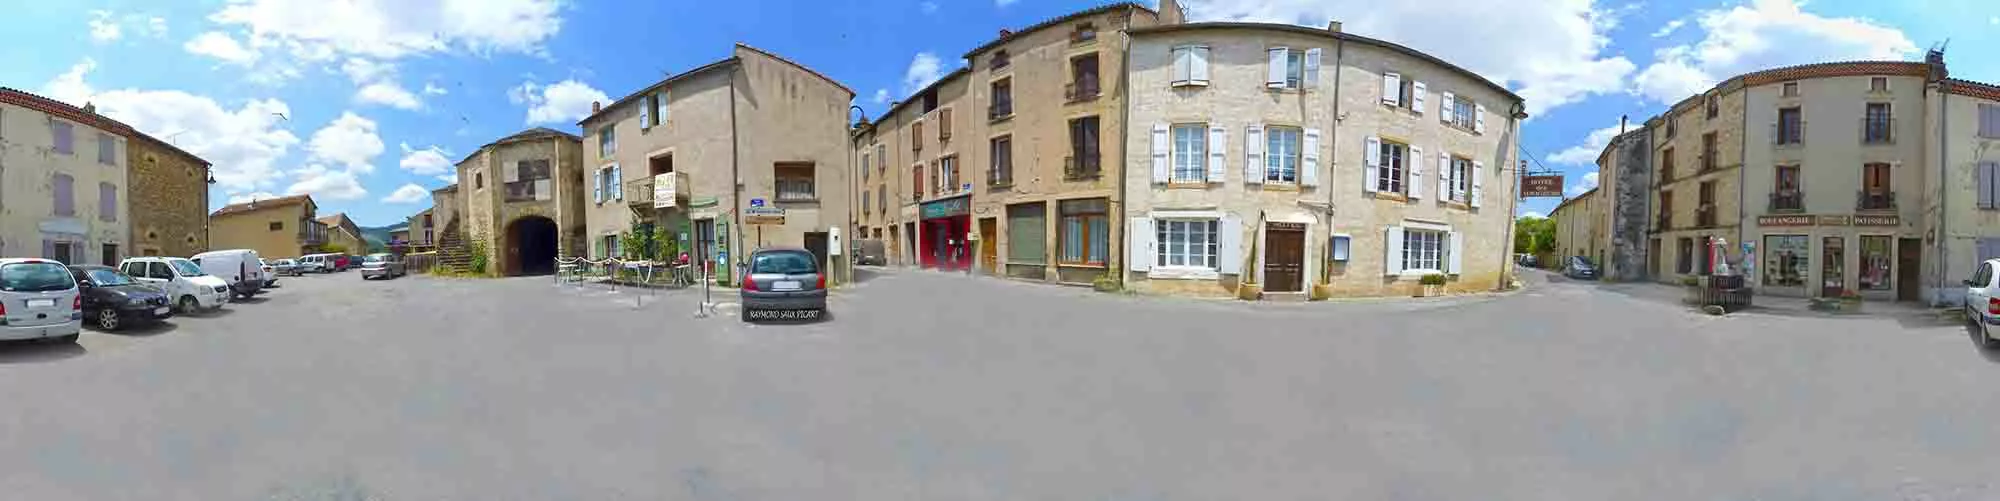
(530,246)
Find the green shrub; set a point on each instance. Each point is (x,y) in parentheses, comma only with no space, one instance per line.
(1432,279)
(478,259)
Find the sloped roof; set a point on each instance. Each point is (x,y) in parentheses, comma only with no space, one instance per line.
(1055,21)
(337,219)
(525,135)
(268,203)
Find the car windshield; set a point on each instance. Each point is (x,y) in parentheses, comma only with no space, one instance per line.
(35,277)
(282,262)
(186,268)
(375,258)
(109,277)
(792,262)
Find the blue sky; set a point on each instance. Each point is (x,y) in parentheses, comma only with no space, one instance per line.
(366,103)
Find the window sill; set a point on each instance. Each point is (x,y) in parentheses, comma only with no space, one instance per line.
(1420,273)
(1001,118)
(1098,266)
(1089,176)
(1000,186)
(797,200)
(1389,196)
(1182,273)
(1081,99)
(1277,186)
(1190,83)
(1188,185)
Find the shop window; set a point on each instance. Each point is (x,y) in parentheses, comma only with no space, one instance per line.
(1085,232)
(1785,260)
(1875,255)
(1186,243)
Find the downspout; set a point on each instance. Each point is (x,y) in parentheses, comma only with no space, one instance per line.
(1124,149)
(1742,195)
(1332,160)
(1944,216)
(1507,268)
(735,179)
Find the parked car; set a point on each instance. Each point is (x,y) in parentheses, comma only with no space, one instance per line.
(39,300)
(868,252)
(1529,260)
(381,265)
(337,262)
(270,273)
(113,299)
(783,284)
(1982,299)
(287,266)
(1579,267)
(238,267)
(183,281)
(316,263)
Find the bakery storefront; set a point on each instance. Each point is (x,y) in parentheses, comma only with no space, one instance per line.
(1829,255)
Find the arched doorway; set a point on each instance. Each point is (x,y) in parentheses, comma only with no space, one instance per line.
(531,246)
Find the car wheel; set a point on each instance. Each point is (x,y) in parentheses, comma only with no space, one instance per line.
(107,319)
(189,305)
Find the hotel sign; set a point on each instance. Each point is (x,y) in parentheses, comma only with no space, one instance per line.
(1542,186)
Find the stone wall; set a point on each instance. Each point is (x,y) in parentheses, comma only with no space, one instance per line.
(170,205)
(1629,198)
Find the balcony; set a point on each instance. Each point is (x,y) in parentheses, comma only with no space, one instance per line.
(530,190)
(1086,166)
(1787,201)
(1704,216)
(1880,200)
(312,237)
(1080,91)
(1788,135)
(1878,130)
(643,192)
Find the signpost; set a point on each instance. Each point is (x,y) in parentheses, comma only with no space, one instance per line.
(1548,185)
(761,215)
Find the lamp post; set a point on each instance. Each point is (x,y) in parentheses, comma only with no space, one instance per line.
(858,116)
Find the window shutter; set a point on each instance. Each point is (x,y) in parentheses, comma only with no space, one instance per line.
(1183,64)
(1479,119)
(1160,144)
(1218,149)
(1986,184)
(1455,262)
(1414,166)
(1478,175)
(1371,162)
(645,112)
(1199,70)
(1230,257)
(1447,179)
(662,98)
(597,187)
(617,183)
(1253,155)
(1309,165)
(1139,244)
(1444,108)
(1312,69)
(1275,74)
(1417,96)
(1392,84)
(1392,259)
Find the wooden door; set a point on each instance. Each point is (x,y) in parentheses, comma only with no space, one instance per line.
(1833,267)
(988,244)
(1909,260)
(1284,257)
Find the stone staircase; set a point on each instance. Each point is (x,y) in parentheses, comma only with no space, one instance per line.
(453,253)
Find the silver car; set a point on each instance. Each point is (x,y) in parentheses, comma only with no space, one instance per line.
(382,265)
(783,284)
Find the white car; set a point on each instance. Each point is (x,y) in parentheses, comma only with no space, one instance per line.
(270,273)
(186,285)
(39,300)
(1982,299)
(241,268)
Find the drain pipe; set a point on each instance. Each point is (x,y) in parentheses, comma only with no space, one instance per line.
(735,181)
(1944,214)
(1333,159)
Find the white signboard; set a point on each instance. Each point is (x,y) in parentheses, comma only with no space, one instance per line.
(663,191)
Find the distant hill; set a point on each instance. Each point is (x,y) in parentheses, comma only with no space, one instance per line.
(378,236)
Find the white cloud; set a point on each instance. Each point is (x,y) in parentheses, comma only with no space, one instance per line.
(1552,52)
(431,89)
(881,96)
(1763,34)
(449,177)
(408,194)
(1587,152)
(243,143)
(924,69)
(103,29)
(326,184)
(1993,20)
(348,141)
(562,102)
(1669,28)
(389,29)
(928,7)
(156,26)
(387,94)
(362,70)
(425,162)
(1534,215)
(237,198)
(1587,183)
(220,46)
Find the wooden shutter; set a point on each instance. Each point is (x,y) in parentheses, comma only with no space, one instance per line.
(1392,84)
(1229,259)
(1253,154)
(1447,177)
(1139,244)
(1371,162)
(1183,64)
(1454,265)
(1413,166)
(617,183)
(1985,189)
(1275,71)
(662,99)
(1309,158)
(1198,71)
(1218,149)
(1444,107)
(1162,172)
(1392,257)
(1479,119)
(944,124)
(597,187)
(645,112)
(1417,95)
(1310,79)
(1478,183)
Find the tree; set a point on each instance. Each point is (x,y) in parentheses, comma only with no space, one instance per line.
(332,248)
(1534,235)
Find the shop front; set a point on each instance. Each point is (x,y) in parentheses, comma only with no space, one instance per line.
(946,226)
(1834,255)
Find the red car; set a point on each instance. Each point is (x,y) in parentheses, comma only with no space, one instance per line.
(339,262)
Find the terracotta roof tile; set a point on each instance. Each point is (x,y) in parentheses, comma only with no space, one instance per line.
(256,205)
(1836,69)
(1973,89)
(36,102)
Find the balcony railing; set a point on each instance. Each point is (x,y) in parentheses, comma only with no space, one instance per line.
(1787,201)
(529,190)
(312,237)
(1704,216)
(1664,222)
(1784,136)
(1080,166)
(1878,130)
(640,192)
(1000,110)
(1881,200)
(1080,90)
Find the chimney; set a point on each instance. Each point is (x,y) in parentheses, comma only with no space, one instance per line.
(1171,13)
(90,108)
(596,106)
(1621,125)
(1004,33)
(1333,26)
(1935,59)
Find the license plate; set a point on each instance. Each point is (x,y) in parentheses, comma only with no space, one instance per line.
(785,285)
(160,310)
(782,314)
(41,303)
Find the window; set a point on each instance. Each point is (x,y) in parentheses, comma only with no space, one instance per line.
(1461,180)
(531,170)
(1989,185)
(1989,121)
(1672,126)
(1186,243)
(944,125)
(882,197)
(1684,261)
(1875,263)
(1003,99)
(999,60)
(930,100)
(61,251)
(64,136)
(1281,154)
(1464,113)
(65,196)
(1190,155)
(1083,78)
(1406,94)
(1190,65)
(1027,234)
(1714,106)
(1791,126)
(865,156)
(1878,84)
(1295,69)
(277,226)
(1084,32)
(1790,89)
(948,174)
(107,202)
(1085,232)
(1423,250)
(1877,124)
(1666,210)
(1705,209)
(1666,165)
(864,202)
(1708,152)
(917,182)
(1083,147)
(882,158)
(607,142)
(917,136)
(1876,192)
(795,181)
(1001,172)
(1389,174)
(1787,196)
(107,149)
(108,253)
(1785,258)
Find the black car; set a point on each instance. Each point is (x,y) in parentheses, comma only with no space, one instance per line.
(1580,267)
(113,299)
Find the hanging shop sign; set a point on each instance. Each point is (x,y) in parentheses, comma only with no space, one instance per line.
(956,206)
(1542,186)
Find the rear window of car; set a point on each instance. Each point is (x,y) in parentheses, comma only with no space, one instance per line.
(783,262)
(35,277)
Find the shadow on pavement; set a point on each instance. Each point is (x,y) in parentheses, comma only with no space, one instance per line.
(1991,354)
(137,329)
(863,275)
(29,352)
(251,300)
(215,313)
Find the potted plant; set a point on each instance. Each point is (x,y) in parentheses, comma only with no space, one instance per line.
(1320,292)
(1850,301)
(1432,285)
(1105,283)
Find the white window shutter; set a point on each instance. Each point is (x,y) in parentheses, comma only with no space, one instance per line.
(1478,181)
(1479,119)
(1453,261)
(1275,76)
(1417,96)
(1161,143)
(597,187)
(1230,258)
(1414,166)
(645,112)
(1445,177)
(1392,258)
(1253,154)
(1139,244)
(1371,162)
(663,97)
(1309,165)
(1183,64)
(1199,70)
(617,182)
(1392,84)
(1444,108)
(1311,69)
(1218,151)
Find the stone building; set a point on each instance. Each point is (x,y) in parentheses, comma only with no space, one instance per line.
(1961,181)
(64,183)
(169,202)
(921,148)
(1625,182)
(1304,160)
(1581,229)
(342,232)
(1697,151)
(423,230)
(747,152)
(523,201)
(274,227)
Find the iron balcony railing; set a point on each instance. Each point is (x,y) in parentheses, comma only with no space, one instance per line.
(1792,134)
(1787,201)
(1878,130)
(640,192)
(1080,166)
(1880,200)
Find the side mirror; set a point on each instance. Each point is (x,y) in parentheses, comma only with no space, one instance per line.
(1969,283)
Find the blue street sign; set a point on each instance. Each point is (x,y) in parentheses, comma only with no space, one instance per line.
(756,202)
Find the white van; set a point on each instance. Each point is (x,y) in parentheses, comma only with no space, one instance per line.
(186,285)
(315,263)
(39,300)
(241,268)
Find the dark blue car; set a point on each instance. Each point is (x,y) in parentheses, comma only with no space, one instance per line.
(1579,267)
